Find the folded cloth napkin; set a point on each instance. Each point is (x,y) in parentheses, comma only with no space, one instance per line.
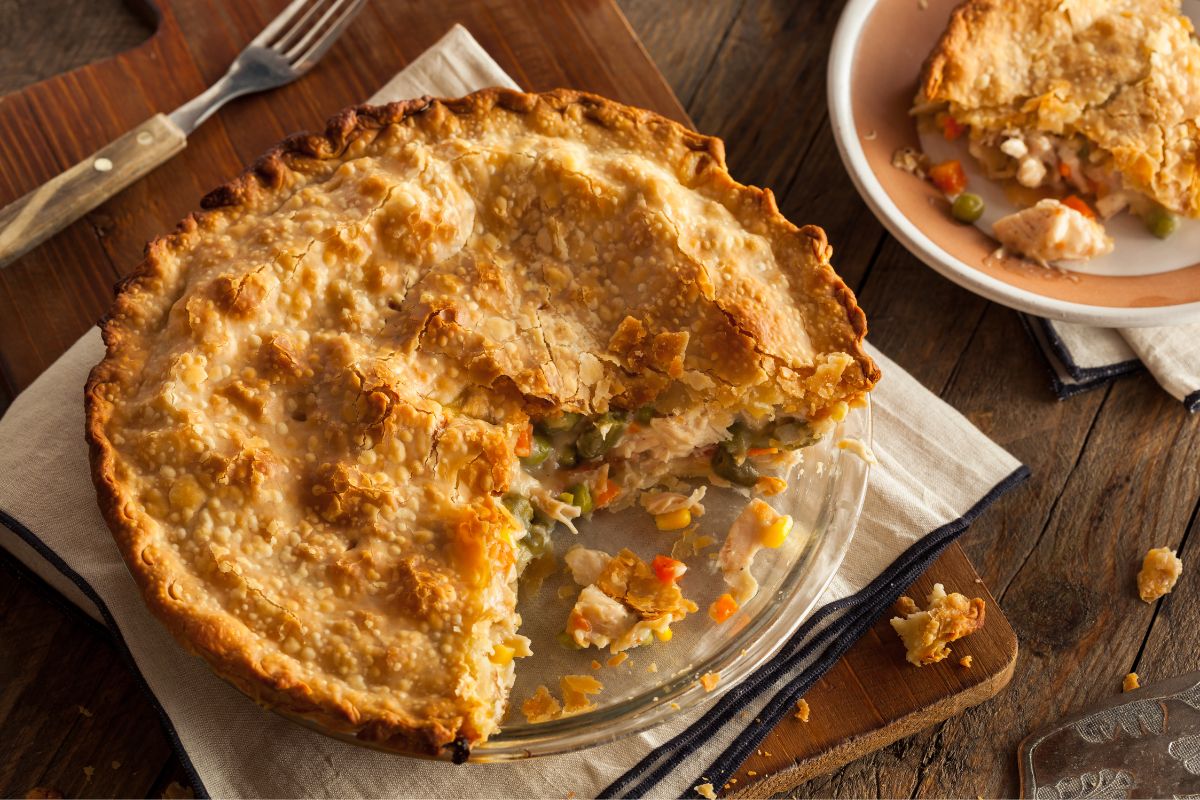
(1083,357)
(936,472)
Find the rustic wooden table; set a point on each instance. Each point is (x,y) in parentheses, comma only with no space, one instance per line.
(1115,471)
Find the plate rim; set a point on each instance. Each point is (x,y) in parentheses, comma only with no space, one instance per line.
(841,117)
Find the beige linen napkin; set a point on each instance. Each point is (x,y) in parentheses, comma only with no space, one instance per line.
(936,472)
(1083,357)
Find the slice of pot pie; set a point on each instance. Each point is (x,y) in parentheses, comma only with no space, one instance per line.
(345,405)
(1096,101)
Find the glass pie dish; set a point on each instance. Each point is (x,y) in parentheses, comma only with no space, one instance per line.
(825,497)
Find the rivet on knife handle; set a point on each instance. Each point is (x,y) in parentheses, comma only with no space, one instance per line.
(30,220)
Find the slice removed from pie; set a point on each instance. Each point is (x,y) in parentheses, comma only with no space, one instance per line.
(344,405)
(1097,98)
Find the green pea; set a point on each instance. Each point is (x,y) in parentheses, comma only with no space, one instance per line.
(519,506)
(644,415)
(1161,223)
(539,451)
(566,640)
(601,436)
(967,208)
(726,464)
(581,496)
(561,423)
(568,455)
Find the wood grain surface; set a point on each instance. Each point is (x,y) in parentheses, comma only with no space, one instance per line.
(1115,471)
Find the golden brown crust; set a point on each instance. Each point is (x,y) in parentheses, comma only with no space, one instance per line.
(1123,74)
(144,301)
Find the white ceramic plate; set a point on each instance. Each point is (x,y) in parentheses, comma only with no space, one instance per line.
(876,60)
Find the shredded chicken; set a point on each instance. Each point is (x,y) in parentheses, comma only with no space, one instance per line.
(1051,231)
(744,541)
(656,502)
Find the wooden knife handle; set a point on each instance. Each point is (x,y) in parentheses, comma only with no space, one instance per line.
(29,221)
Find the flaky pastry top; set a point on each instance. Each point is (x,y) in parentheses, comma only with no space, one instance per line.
(307,411)
(1125,74)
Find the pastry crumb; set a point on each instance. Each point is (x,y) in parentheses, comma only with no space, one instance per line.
(912,161)
(85,712)
(653,667)
(88,772)
(595,664)
(769,485)
(946,617)
(803,712)
(709,681)
(1161,568)
(43,793)
(750,773)
(566,592)
(575,691)
(177,791)
(966,662)
(116,765)
(706,790)
(618,659)
(1130,683)
(541,707)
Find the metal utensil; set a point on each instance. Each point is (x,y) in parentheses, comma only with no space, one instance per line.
(286,49)
(1144,743)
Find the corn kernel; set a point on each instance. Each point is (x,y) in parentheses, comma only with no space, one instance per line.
(503,654)
(777,532)
(664,635)
(673,520)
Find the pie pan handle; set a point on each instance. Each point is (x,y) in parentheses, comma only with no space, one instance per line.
(30,220)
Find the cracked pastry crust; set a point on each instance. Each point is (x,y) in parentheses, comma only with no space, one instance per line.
(1122,76)
(306,418)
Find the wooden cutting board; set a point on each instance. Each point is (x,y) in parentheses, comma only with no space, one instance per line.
(56,292)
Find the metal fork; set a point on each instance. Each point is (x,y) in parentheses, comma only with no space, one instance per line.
(286,49)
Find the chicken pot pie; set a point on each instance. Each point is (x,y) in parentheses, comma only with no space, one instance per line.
(345,405)
(1095,102)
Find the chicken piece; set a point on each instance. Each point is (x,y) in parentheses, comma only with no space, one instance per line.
(1051,231)
(758,526)
(598,620)
(627,601)
(946,618)
(1160,569)
(586,565)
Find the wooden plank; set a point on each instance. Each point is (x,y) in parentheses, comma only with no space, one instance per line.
(873,697)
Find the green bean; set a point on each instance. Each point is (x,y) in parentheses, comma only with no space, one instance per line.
(644,415)
(519,506)
(539,451)
(725,464)
(581,496)
(741,439)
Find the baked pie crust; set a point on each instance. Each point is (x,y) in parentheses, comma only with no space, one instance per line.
(1113,85)
(304,432)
